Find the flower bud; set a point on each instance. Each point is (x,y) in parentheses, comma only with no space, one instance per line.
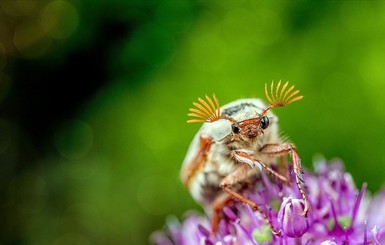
(293,223)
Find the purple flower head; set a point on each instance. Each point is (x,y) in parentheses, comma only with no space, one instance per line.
(339,214)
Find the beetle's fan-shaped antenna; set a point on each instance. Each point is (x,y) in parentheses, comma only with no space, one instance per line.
(205,111)
(281,96)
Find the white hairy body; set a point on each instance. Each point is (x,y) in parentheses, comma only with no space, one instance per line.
(205,184)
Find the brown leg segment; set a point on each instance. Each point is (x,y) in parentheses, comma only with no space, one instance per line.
(192,168)
(285,148)
(253,205)
(236,177)
(223,199)
(218,204)
(243,157)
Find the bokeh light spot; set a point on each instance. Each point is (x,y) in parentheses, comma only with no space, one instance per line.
(59,19)
(156,194)
(372,69)
(30,39)
(74,140)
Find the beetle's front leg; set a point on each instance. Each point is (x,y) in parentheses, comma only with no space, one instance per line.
(243,157)
(286,148)
(189,171)
(235,177)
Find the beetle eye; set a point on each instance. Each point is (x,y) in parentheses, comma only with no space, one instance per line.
(264,122)
(235,128)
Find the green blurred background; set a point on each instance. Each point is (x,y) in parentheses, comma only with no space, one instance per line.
(94,96)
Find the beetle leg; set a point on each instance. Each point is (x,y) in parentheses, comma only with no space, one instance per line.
(243,157)
(286,148)
(192,168)
(221,201)
(236,177)
(218,204)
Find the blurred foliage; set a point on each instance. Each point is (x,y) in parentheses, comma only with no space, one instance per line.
(94,96)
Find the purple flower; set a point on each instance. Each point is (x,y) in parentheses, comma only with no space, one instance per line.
(340,214)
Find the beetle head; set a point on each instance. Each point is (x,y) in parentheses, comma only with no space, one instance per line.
(247,129)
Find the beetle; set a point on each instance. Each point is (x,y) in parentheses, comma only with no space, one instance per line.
(235,143)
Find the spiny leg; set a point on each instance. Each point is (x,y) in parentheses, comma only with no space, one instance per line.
(299,179)
(286,148)
(243,157)
(236,177)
